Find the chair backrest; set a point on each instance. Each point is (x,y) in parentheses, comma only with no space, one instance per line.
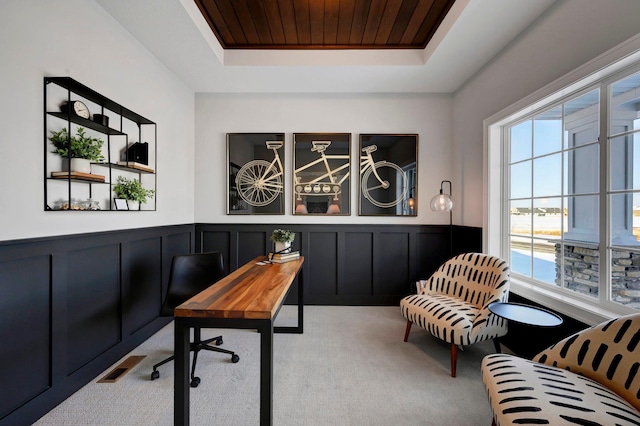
(190,274)
(476,278)
(608,353)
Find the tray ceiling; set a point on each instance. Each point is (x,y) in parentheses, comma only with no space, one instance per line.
(324,24)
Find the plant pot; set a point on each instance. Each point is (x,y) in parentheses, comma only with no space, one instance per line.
(81,165)
(133,205)
(283,247)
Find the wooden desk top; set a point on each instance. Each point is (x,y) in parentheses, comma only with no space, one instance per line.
(252,291)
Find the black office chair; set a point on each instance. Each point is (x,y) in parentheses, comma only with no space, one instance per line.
(190,274)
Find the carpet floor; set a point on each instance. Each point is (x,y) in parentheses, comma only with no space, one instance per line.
(349,368)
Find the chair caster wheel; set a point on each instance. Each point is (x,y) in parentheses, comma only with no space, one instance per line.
(235,358)
(218,341)
(195,382)
(155,374)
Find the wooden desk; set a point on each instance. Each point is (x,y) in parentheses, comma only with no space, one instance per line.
(250,297)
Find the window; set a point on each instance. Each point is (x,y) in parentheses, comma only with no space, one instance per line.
(567,168)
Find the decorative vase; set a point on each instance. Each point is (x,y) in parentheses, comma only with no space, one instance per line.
(283,247)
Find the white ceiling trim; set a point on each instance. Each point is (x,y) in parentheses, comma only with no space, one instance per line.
(469,37)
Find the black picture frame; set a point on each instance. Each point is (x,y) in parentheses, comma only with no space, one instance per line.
(255,173)
(388,183)
(322,174)
(120,204)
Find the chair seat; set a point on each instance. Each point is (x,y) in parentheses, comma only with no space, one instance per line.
(446,317)
(526,392)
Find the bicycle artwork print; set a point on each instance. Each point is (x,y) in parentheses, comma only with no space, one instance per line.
(255,173)
(321,175)
(388,175)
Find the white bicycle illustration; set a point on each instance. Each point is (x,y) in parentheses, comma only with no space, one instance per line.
(260,182)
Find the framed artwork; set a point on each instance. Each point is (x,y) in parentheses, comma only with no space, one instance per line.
(255,173)
(120,204)
(388,175)
(321,170)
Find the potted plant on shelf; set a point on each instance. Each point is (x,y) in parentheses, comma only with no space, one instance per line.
(132,191)
(282,239)
(80,149)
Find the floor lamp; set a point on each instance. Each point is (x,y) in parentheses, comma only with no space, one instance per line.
(444,203)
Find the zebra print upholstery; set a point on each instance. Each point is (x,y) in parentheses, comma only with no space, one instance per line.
(453,304)
(589,378)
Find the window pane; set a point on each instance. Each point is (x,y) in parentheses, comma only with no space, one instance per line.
(625,219)
(580,270)
(547,176)
(520,148)
(544,261)
(582,218)
(581,119)
(520,218)
(624,160)
(625,280)
(624,104)
(581,170)
(547,132)
(521,180)
(547,218)
(521,255)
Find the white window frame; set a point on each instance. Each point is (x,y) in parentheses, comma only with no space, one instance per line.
(600,71)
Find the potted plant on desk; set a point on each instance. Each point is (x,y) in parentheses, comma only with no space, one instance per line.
(282,239)
(132,191)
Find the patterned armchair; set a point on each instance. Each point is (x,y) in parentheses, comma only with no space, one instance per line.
(453,304)
(589,378)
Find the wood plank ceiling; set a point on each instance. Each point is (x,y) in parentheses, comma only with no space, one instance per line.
(324,24)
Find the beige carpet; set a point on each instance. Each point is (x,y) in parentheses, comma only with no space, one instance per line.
(350,368)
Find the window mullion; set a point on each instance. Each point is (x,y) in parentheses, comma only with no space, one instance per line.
(604,276)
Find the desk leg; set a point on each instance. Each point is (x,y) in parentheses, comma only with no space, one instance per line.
(266,373)
(300,303)
(181,374)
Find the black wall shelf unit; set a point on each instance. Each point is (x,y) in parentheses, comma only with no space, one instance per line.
(66,190)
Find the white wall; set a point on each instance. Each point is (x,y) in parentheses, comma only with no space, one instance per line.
(77,38)
(569,34)
(218,114)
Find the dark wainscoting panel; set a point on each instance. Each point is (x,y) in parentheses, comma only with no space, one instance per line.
(25,348)
(71,306)
(347,264)
(93,303)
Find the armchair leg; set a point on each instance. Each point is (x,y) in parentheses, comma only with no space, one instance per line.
(454,359)
(406,333)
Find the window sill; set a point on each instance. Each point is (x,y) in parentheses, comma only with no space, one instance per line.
(582,310)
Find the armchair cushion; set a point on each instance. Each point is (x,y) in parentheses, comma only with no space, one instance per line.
(527,392)
(608,353)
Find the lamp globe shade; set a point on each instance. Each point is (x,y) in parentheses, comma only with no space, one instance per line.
(442,203)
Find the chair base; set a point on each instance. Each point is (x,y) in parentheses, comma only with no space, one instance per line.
(196,346)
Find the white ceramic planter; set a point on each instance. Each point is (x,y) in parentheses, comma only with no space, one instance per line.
(133,205)
(283,247)
(81,165)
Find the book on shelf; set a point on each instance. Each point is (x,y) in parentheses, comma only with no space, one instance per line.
(284,257)
(135,165)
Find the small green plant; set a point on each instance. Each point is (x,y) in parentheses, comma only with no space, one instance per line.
(131,189)
(282,236)
(82,146)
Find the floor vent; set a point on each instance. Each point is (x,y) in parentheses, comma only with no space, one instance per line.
(123,368)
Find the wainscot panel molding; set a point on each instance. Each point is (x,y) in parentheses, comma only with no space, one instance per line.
(71,306)
(348,264)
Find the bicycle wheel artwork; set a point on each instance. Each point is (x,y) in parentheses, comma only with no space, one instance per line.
(388,175)
(259,182)
(256,173)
